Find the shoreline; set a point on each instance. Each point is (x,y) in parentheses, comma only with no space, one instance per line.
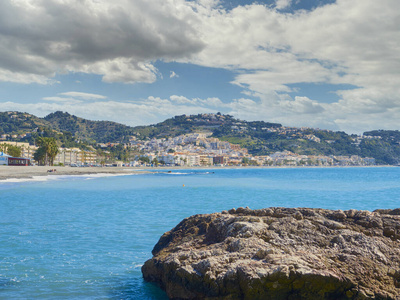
(26,172)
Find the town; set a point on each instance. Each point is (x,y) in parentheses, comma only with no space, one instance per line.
(190,150)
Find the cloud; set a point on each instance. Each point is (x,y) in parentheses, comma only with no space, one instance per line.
(73,98)
(62,99)
(85,96)
(116,39)
(180,99)
(346,42)
(173,75)
(282,4)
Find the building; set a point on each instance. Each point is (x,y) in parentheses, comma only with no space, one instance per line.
(4,159)
(75,156)
(27,150)
(18,161)
(206,160)
(13,161)
(219,160)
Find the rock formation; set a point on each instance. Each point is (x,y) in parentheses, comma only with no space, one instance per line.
(280,253)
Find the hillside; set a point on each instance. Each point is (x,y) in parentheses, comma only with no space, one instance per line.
(17,123)
(97,131)
(214,123)
(259,137)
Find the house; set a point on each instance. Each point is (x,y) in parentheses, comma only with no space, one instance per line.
(18,161)
(13,161)
(4,158)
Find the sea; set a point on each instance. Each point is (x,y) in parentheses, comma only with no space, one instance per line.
(86,237)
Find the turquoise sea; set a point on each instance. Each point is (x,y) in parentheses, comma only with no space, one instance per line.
(86,237)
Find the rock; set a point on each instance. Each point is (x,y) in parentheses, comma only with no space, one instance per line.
(280,253)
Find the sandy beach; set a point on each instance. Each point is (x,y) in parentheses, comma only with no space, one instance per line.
(10,172)
(17,172)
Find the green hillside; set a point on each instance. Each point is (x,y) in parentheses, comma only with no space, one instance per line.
(59,123)
(259,137)
(89,131)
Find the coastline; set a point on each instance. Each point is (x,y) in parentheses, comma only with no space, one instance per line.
(26,172)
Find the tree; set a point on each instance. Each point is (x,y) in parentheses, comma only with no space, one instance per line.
(155,162)
(144,159)
(40,156)
(47,151)
(14,151)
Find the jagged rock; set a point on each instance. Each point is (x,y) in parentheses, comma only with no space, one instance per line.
(280,253)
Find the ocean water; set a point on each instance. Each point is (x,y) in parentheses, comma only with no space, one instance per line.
(86,237)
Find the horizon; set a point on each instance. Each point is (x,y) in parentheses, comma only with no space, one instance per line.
(329,64)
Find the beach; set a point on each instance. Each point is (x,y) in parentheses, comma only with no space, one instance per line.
(13,172)
(20,172)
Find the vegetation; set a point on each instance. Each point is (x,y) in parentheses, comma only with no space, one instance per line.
(89,131)
(259,137)
(11,150)
(46,152)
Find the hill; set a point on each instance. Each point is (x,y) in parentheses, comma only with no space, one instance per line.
(86,130)
(60,123)
(259,137)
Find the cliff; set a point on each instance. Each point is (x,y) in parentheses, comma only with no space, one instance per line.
(280,253)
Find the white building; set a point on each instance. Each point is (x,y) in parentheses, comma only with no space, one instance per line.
(4,158)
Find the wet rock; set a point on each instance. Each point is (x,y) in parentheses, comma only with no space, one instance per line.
(280,253)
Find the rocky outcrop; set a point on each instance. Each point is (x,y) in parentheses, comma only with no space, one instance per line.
(280,253)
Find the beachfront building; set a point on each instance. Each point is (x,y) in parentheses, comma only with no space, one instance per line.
(167,159)
(27,150)
(193,160)
(4,159)
(67,157)
(7,160)
(88,157)
(219,160)
(206,160)
(75,156)
(18,161)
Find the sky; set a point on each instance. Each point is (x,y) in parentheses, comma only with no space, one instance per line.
(304,63)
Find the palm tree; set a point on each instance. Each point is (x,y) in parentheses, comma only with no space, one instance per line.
(47,151)
(52,152)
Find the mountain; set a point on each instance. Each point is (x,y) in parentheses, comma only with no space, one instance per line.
(61,122)
(259,137)
(18,123)
(98,131)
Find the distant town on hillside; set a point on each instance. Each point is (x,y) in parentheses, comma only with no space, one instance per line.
(190,140)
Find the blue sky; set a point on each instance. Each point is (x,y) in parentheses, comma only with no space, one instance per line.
(314,63)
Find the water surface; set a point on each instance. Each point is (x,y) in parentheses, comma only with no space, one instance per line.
(87,237)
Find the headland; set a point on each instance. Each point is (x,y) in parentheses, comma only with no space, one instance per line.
(280,253)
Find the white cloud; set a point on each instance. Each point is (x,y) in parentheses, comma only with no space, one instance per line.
(348,42)
(62,99)
(173,75)
(180,99)
(85,96)
(281,4)
(117,39)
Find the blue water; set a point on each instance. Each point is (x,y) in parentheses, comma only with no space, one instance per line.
(87,238)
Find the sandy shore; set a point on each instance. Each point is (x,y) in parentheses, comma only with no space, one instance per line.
(12,172)
(9,172)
